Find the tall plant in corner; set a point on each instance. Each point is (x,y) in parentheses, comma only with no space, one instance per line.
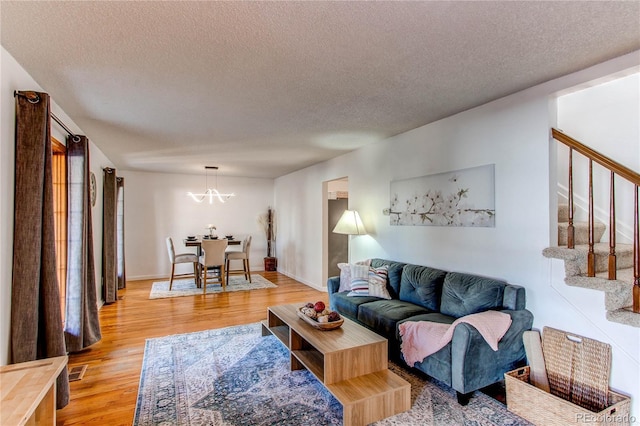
(268,223)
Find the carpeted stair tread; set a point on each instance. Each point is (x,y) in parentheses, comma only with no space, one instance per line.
(563,212)
(624,257)
(618,292)
(581,232)
(624,316)
(618,295)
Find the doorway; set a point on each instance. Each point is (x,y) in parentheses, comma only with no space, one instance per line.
(336,201)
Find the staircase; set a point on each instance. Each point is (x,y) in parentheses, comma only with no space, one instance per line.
(610,267)
(618,292)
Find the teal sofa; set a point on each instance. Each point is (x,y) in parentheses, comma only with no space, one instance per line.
(422,293)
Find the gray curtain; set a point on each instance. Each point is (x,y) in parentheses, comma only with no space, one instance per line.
(36,319)
(82,326)
(110,236)
(122,276)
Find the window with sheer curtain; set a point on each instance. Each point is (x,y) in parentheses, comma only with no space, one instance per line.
(82,326)
(59,171)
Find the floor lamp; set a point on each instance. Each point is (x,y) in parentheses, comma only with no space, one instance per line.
(350,224)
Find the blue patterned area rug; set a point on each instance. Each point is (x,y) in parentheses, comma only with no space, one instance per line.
(234,376)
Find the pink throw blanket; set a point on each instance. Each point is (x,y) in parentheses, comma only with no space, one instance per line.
(423,338)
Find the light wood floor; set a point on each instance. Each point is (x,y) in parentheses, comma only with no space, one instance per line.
(107,393)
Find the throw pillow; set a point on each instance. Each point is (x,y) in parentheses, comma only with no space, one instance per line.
(369,281)
(345,274)
(378,278)
(359,280)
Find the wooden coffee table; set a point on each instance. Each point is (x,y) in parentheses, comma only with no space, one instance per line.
(351,362)
(28,392)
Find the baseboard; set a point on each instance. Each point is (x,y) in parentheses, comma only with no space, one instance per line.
(149,277)
(304,281)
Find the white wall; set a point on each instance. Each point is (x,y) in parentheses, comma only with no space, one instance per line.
(14,77)
(157,206)
(512,133)
(501,133)
(606,118)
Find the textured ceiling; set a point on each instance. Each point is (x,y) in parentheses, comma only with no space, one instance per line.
(265,88)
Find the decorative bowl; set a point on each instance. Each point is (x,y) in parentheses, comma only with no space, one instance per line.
(324,326)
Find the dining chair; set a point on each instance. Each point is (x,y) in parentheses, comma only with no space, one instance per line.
(180,258)
(213,255)
(240,255)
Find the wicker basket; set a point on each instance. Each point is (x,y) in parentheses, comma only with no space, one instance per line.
(578,369)
(544,409)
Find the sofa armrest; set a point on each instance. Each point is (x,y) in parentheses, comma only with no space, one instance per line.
(333,285)
(514,297)
(475,365)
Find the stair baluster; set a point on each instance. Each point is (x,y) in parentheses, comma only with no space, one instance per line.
(636,255)
(570,229)
(591,255)
(612,229)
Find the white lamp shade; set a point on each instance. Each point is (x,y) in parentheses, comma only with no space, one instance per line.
(350,224)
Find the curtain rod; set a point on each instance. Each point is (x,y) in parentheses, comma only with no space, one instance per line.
(66,129)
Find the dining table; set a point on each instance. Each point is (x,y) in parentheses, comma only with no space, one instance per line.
(197,242)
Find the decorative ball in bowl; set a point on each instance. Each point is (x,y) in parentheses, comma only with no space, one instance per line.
(318,316)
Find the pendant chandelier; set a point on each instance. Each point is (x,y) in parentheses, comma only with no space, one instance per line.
(210,193)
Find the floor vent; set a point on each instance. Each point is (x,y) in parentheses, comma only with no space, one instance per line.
(77,372)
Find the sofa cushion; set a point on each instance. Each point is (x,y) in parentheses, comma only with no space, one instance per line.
(438,365)
(422,285)
(395,273)
(382,315)
(464,294)
(348,306)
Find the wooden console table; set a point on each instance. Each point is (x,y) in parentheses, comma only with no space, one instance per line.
(28,392)
(351,362)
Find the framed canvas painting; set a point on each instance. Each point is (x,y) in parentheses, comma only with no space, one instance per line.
(456,198)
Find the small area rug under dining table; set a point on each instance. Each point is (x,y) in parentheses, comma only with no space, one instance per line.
(187,287)
(235,376)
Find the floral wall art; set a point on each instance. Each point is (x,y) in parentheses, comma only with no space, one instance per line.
(457,198)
